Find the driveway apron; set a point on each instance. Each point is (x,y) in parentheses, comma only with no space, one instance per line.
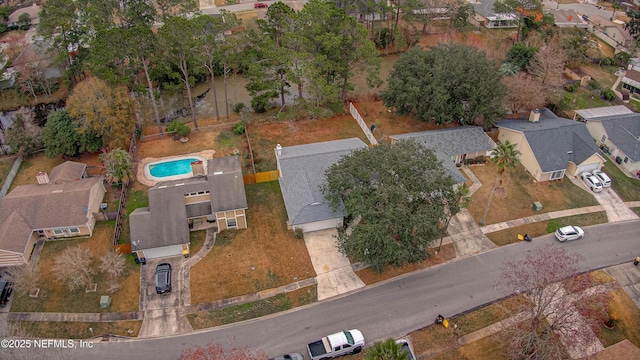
(334,272)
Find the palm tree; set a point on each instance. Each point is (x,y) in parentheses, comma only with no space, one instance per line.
(117,166)
(506,156)
(386,350)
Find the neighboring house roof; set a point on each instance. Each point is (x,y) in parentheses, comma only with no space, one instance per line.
(555,141)
(622,350)
(606,23)
(15,233)
(302,171)
(632,78)
(164,222)
(594,113)
(33,11)
(567,18)
(447,143)
(624,132)
(67,171)
(38,54)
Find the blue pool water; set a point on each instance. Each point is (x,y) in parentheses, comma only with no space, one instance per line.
(171,168)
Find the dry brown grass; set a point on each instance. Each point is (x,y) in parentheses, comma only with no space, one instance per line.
(519,191)
(369,276)
(55,297)
(627,316)
(266,134)
(265,255)
(76,330)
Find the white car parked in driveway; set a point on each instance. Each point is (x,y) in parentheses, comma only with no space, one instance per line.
(591,181)
(604,178)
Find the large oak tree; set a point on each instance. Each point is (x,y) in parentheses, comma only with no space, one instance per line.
(451,82)
(399,191)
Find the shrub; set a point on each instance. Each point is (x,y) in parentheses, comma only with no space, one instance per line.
(593,85)
(608,94)
(238,128)
(260,104)
(608,61)
(383,38)
(572,86)
(178,128)
(239,107)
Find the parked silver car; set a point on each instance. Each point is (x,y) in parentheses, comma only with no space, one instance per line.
(604,178)
(591,181)
(569,233)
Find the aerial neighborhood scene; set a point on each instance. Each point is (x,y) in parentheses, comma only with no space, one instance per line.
(314,179)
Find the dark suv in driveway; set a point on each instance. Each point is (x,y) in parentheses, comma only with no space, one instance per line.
(163,278)
(6,288)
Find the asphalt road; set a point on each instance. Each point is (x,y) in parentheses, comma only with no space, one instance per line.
(390,309)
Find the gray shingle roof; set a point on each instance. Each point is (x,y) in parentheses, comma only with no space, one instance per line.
(448,143)
(302,171)
(67,171)
(15,233)
(624,132)
(164,222)
(555,141)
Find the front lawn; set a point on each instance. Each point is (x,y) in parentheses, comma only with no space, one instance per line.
(517,192)
(627,188)
(75,330)
(263,256)
(56,297)
(510,236)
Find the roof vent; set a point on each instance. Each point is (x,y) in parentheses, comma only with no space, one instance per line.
(279,149)
(535,115)
(218,173)
(42,178)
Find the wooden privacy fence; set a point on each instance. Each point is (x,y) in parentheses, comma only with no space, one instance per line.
(123,198)
(261,177)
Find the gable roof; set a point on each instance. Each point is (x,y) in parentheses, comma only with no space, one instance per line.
(15,233)
(33,11)
(67,171)
(302,171)
(450,142)
(624,132)
(164,221)
(555,141)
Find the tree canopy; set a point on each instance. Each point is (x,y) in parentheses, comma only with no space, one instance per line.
(102,111)
(451,82)
(398,191)
(60,136)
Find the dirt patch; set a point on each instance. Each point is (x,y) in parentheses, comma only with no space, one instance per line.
(76,330)
(522,191)
(369,276)
(255,258)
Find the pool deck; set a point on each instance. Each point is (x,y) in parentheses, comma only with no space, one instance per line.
(207,154)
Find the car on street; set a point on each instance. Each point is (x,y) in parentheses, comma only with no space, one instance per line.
(163,278)
(406,348)
(569,233)
(260,5)
(591,181)
(604,178)
(292,356)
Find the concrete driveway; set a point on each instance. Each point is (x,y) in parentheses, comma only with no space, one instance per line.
(335,275)
(610,201)
(163,314)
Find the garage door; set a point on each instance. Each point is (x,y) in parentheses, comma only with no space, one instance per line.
(165,251)
(588,168)
(320,225)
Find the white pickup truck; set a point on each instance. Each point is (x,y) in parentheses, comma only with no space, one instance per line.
(338,344)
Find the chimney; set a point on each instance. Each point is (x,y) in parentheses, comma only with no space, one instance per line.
(42,178)
(535,115)
(197,168)
(278,150)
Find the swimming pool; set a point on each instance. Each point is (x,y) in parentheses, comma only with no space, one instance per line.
(172,169)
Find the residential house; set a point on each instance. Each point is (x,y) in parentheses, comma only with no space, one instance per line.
(213,200)
(453,145)
(631,81)
(551,147)
(38,56)
(302,171)
(612,32)
(567,18)
(62,205)
(617,131)
(484,15)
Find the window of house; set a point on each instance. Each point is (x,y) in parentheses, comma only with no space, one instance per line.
(557,175)
(604,138)
(74,230)
(58,231)
(231,223)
